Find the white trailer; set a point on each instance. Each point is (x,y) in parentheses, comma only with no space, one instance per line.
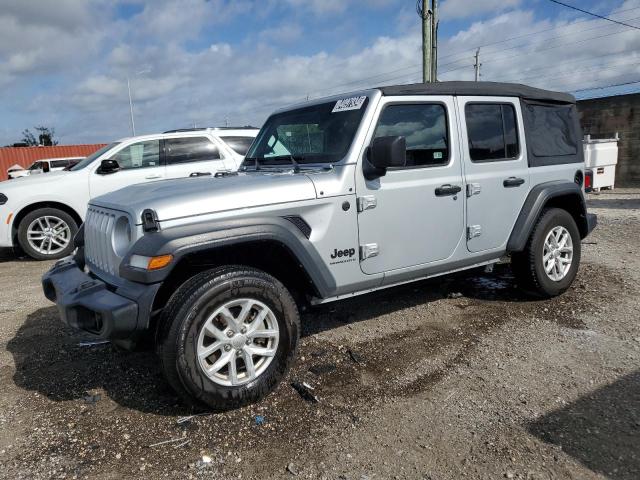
(601,157)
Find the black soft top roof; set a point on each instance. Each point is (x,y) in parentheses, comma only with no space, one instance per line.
(493,89)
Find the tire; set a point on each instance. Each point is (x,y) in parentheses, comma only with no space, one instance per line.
(59,245)
(181,337)
(529,265)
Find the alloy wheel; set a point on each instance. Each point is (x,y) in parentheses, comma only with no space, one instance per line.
(237,342)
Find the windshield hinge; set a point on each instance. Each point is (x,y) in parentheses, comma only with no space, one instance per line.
(366,202)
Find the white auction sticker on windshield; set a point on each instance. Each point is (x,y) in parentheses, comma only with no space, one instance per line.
(352,103)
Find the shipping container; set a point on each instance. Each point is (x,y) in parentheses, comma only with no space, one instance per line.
(25,156)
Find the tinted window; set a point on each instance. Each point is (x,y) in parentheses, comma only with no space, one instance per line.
(139,155)
(36,166)
(238,144)
(190,149)
(491,129)
(424,127)
(59,163)
(552,132)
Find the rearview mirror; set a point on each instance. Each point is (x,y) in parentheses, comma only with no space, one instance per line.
(108,166)
(385,152)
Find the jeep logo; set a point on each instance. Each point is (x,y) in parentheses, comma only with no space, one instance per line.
(347,252)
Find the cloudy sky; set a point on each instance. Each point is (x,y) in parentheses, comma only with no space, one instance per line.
(64,63)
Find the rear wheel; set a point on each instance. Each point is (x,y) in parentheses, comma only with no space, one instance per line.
(549,263)
(47,234)
(227,337)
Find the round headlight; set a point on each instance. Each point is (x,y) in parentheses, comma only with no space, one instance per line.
(122,236)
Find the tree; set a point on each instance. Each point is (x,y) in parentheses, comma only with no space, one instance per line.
(45,137)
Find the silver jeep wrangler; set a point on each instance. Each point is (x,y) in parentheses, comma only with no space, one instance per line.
(337,197)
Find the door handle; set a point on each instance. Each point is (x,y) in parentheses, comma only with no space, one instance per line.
(513,182)
(153,177)
(447,190)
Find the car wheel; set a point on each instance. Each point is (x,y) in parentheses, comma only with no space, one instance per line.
(47,234)
(549,263)
(227,337)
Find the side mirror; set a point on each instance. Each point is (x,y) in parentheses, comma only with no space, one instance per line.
(108,166)
(45,167)
(385,152)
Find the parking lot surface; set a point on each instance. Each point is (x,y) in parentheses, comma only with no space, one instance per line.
(454,377)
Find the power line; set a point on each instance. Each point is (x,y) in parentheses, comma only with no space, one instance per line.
(594,14)
(606,86)
(460,52)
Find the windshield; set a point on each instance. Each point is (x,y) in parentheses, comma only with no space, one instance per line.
(87,161)
(36,166)
(316,134)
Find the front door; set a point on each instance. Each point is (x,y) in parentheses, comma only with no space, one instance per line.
(139,163)
(414,214)
(496,170)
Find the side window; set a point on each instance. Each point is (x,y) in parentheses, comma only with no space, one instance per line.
(239,145)
(424,127)
(491,129)
(190,149)
(59,163)
(139,155)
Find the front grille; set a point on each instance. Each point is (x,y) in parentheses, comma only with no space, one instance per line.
(98,232)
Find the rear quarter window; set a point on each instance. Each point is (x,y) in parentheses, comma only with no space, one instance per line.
(240,145)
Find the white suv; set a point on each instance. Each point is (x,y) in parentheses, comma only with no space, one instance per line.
(41,213)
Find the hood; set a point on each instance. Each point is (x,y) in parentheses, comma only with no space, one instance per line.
(187,197)
(55,178)
(15,168)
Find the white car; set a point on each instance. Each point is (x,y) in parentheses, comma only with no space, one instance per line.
(41,213)
(45,165)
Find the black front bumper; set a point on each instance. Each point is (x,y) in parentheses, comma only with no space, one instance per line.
(87,303)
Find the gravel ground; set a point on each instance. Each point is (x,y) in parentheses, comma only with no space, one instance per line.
(457,377)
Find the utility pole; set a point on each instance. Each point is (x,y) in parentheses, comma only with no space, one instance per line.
(427,10)
(477,64)
(133,125)
(434,40)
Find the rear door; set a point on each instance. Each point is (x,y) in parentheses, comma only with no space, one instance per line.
(139,163)
(496,169)
(414,214)
(185,156)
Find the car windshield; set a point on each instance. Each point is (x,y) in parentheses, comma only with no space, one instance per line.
(36,166)
(87,161)
(319,133)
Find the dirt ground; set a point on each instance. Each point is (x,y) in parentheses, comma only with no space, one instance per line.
(456,377)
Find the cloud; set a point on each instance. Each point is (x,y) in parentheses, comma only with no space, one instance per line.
(284,33)
(457,9)
(245,75)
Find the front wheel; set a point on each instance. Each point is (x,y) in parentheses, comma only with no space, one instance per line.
(549,263)
(47,234)
(227,337)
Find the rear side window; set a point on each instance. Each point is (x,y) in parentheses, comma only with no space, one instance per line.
(424,127)
(190,149)
(552,132)
(59,163)
(492,133)
(239,145)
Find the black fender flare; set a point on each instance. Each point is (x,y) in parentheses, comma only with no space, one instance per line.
(538,198)
(208,235)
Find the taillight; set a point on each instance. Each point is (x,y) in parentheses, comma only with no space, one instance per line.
(588,180)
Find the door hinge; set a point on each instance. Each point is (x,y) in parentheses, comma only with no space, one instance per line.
(473,189)
(368,250)
(366,202)
(473,231)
